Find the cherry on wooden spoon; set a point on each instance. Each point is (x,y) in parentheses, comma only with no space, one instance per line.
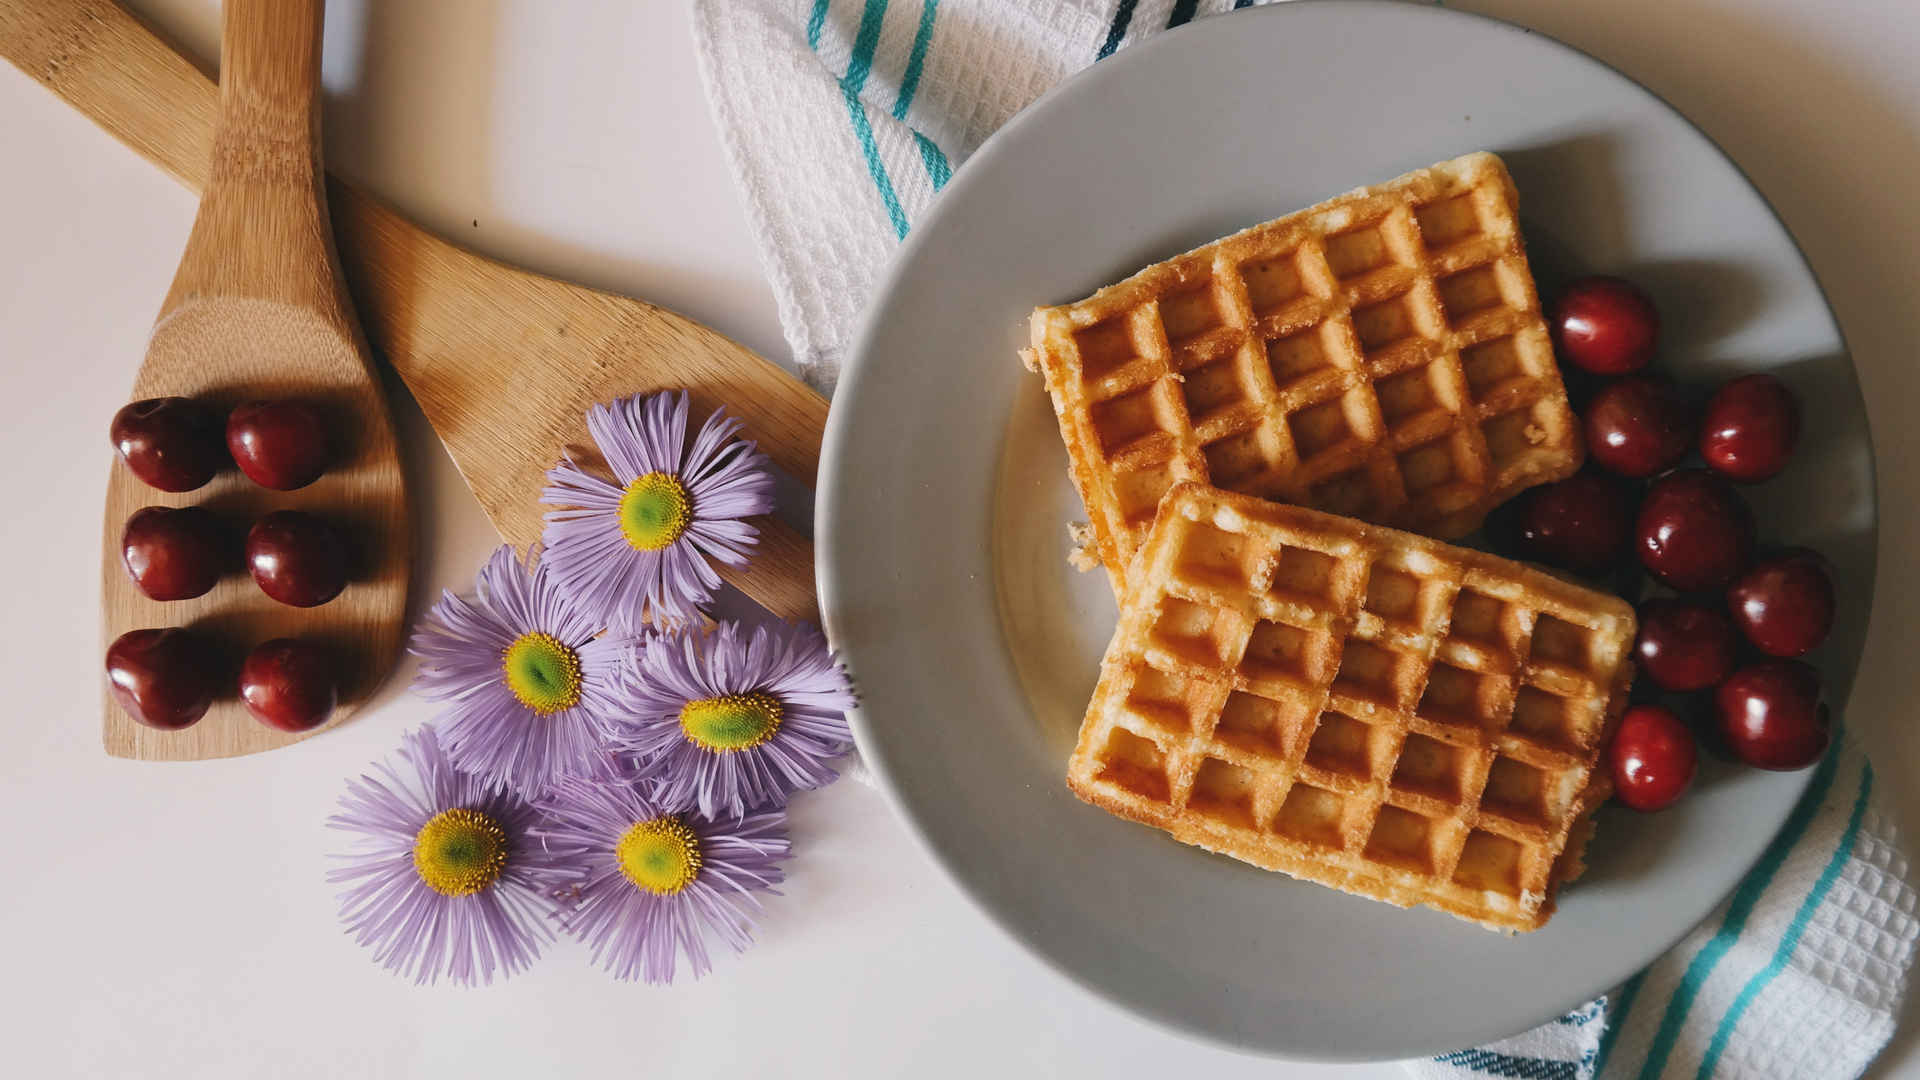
(258,310)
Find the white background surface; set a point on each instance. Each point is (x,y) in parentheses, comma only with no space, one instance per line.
(173,921)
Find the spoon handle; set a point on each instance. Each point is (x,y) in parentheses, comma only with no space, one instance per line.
(262,229)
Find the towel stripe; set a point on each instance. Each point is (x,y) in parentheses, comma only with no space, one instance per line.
(864,41)
(858,67)
(815,22)
(1518,1068)
(938,170)
(1122,15)
(931,156)
(862,130)
(1744,900)
(1182,13)
(1616,1021)
(1791,940)
(910,81)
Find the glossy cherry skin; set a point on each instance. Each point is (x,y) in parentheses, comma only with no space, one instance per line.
(172,443)
(173,554)
(1581,523)
(1695,531)
(1684,646)
(1605,325)
(1749,428)
(1638,426)
(289,684)
(296,558)
(1652,758)
(1771,714)
(1784,605)
(279,444)
(165,679)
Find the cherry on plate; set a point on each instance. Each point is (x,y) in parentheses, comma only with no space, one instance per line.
(1749,428)
(1582,523)
(173,554)
(289,684)
(165,679)
(1695,531)
(1605,325)
(1652,758)
(1784,605)
(1772,716)
(1684,646)
(172,443)
(1638,426)
(279,444)
(296,558)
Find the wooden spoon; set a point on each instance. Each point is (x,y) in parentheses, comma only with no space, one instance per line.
(258,309)
(504,362)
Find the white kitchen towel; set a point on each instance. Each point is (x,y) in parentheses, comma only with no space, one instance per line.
(843,119)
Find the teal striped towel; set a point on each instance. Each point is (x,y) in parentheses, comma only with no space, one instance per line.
(843,119)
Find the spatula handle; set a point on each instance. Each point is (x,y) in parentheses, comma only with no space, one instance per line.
(104,62)
(262,230)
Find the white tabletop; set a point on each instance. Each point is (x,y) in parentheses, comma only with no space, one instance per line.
(172,920)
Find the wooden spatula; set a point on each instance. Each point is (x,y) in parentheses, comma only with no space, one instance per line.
(504,362)
(257,309)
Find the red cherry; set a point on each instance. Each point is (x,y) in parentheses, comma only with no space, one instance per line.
(279,444)
(1638,426)
(172,443)
(1695,531)
(1684,646)
(1784,605)
(1581,523)
(173,554)
(1605,325)
(296,558)
(288,684)
(1749,428)
(165,679)
(1652,758)
(1772,716)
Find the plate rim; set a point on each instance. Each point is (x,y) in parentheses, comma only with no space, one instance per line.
(831,470)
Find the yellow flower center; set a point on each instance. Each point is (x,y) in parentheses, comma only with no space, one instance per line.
(733,722)
(661,856)
(543,673)
(655,510)
(460,852)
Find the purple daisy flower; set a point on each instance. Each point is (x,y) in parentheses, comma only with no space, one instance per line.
(444,878)
(649,885)
(638,550)
(730,720)
(528,682)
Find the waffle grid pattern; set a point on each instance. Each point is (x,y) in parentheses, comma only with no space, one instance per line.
(1381,355)
(1368,709)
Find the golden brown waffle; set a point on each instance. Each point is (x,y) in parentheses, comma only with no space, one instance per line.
(1365,708)
(1380,355)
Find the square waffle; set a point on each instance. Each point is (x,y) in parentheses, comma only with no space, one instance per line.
(1360,707)
(1381,355)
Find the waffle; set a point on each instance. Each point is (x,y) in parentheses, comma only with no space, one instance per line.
(1381,355)
(1360,707)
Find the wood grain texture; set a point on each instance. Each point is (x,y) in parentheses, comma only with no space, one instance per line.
(258,309)
(503,362)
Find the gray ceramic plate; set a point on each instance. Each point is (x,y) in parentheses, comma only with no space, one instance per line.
(944,503)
